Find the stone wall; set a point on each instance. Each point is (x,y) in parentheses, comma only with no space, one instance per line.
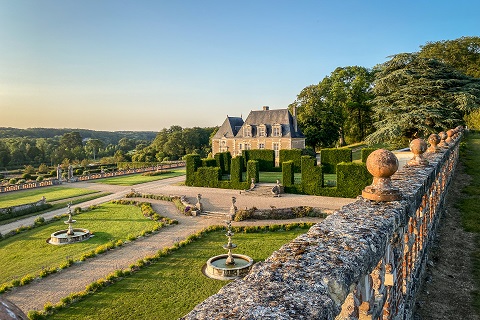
(365,261)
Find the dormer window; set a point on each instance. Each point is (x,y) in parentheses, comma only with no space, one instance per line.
(247,131)
(262,130)
(277,130)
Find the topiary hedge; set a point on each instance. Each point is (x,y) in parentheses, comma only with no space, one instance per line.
(236,169)
(253,171)
(352,178)
(192,163)
(265,158)
(207,177)
(209,162)
(294,155)
(366,152)
(288,176)
(312,179)
(331,157)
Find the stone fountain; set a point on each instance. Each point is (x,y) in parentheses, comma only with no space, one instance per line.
(70,235)
(228,266)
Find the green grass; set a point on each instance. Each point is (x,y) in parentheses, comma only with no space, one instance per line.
(134,179)
(469,202)
(171,287)
(60,204)
(54,193)
(29,253)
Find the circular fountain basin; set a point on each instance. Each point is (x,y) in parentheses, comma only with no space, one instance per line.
(218,269)
(61,237)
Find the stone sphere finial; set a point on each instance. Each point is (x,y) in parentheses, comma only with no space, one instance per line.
(434,140)
(442,143)
(418,148)
(382,164)
(450,134)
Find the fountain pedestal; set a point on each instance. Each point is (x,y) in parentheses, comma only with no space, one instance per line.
(70,235)
(228,266)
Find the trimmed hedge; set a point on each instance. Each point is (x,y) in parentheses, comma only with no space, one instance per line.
(209,162)
(253,171)
(207,177)
(219,161)
(366,152)
(312,179)
(192,163)
(331,157)
(294,155)
(236,169)
(352,178)
(9,214)
(288,176)
(223,161)
(265,158)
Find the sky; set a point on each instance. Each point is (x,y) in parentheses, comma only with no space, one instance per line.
(142,65)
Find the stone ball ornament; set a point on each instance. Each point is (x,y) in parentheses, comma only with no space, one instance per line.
(382,164)
(418,148)
(434,140)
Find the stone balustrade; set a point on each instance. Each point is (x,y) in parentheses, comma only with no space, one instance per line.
(365,261)
(51,182)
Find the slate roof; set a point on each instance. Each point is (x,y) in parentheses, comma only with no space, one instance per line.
(229,128)
(269,118)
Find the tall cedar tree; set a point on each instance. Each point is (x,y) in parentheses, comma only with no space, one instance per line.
(416,96)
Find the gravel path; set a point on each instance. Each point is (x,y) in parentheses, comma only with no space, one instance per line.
(56,286)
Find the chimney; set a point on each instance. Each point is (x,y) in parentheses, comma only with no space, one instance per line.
(266,108)
(294,116)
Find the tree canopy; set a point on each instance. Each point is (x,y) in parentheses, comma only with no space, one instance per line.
(336,109)
(462,54)
(416,96)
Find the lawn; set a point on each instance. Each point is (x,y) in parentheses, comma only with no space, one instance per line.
(29,253)
(54,193)
(469,204)
(134,179)
(171,287)
(61,204)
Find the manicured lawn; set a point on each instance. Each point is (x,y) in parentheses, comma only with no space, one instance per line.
(171,287)
(61,204)
(469,204)
(272,177)
(134,179)
(54,193)
(28,252)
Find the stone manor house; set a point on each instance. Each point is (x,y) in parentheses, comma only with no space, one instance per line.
(263,129)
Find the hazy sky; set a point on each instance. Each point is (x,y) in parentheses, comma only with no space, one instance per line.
(146,65)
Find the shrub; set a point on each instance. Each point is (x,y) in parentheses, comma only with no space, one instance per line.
(39,179)
(312,179)
(236,169)
(39,221)
(366,152)
(43,168)
(288,173)
(331,157)
(192,163)
(265,158)
(352,178)
(12,181)
(208,162)
(21,181)
(253,170)
(294,155)
(27,176)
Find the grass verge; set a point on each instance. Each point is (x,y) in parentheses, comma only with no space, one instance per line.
(60,204)
(53,193)
(134,179)
(469,204)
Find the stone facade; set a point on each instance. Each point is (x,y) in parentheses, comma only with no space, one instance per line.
(263,129)
(365,261)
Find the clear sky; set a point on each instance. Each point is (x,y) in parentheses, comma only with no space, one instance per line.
(147,65)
